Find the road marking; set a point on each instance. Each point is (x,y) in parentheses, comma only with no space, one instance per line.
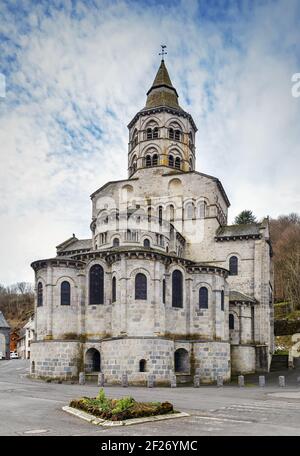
(36,431)
(213,418)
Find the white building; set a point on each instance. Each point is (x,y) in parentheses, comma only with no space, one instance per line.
(25,339)
(164,285)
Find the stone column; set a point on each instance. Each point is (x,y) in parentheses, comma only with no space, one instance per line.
(189,305)
(214,308)
(49,300)
(81,299)
(157,298)
(123,296)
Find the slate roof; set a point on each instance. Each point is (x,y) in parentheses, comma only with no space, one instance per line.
(74,244)
(237,296)
(79,244)
(162,92)
(230,231)
(3,322)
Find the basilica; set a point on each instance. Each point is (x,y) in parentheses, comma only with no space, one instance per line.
(164,285)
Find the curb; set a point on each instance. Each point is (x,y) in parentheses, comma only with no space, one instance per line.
(100,422)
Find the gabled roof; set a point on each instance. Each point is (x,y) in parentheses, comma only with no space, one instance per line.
(74,244)
(79,244)
(3,322)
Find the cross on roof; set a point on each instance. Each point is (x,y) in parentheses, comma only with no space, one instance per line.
(163,52)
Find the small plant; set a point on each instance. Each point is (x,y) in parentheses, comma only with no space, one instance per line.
(102,401)
(123,404)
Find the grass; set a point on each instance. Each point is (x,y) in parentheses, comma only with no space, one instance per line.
(283,310)
(120,409)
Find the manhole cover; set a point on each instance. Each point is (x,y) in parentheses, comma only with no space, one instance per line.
(36,431)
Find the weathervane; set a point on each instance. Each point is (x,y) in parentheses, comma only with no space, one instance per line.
(163,52)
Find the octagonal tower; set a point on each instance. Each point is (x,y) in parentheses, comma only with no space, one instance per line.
(161,134)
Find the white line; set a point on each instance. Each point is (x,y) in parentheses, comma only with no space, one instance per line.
(212,418)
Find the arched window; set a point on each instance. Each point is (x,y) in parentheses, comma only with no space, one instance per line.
(134,139)
(40,294)
(172,213)
(231,321)
(171,133)
(149,213)
(202,209)
(140,286)
(177,289)
(190,211)
(171,161)
(116,242)
(203,298)
(177,135)
(190,139)
(233,265)
(155,133)
(222,300)
(148,160)
(65,294)
(134,166)
(164,291)
(149,133)
(160,215)
(155,160)
(146,243)
(96,287)
(177,163)
(142,365)
(114,289)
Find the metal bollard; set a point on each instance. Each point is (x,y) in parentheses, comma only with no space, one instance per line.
(281,379)
(81,378)
(241,380)
(262,380)
(100,379)
(124,380)
(150,381)
(196,381)
(219,381)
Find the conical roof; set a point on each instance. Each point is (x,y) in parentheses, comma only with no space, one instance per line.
(3,322)
(162,92)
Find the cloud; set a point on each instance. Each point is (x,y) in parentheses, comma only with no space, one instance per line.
(77,72)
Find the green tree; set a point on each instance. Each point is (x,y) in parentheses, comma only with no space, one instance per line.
(245,217)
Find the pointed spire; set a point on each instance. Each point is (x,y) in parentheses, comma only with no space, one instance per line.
(162,92)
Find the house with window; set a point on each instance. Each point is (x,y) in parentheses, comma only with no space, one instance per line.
(164,284)
(26,336)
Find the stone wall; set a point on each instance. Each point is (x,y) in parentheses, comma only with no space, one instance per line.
(212,359)
(243,359)
(56,359)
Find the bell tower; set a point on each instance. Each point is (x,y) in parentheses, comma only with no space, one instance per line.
(162,134)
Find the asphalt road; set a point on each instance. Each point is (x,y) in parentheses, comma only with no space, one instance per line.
(34,407)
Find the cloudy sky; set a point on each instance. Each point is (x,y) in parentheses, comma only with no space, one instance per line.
(76,72)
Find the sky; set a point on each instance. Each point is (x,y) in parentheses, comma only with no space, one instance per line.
(76,72)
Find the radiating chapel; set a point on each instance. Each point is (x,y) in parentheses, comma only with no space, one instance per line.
(164,285)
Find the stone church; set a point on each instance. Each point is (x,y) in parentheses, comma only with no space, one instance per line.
(164,285)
